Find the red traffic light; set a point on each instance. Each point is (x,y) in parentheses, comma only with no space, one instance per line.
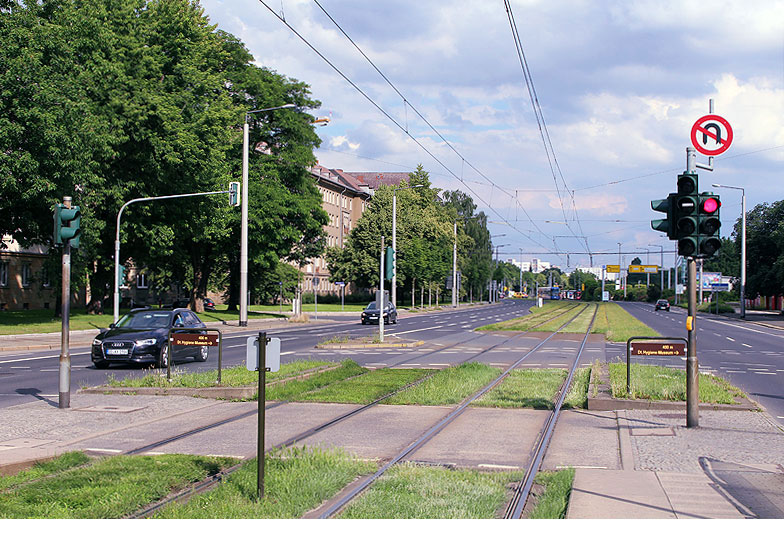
(710,205)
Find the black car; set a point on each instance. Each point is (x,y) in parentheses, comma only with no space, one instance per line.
(141,337)
(371,313)
(663,304)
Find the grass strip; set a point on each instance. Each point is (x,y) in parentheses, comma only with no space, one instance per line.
(295,480)
(650,382)
(556,323)
(295,389)
(236,376)
(109,488)
(577,397)
(581,323)
(410,491)
(40,470)
(552,501)
(536,316)
(529,387)
(618,325)
(366,388)
(448,386)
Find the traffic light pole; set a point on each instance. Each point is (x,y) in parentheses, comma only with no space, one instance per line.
(692,364)
(380,303)
(65,353)
(117,239)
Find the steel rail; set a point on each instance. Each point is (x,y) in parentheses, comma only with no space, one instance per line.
(211,481)
(517,504)
(429,434)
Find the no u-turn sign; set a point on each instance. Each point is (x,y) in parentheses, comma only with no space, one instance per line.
(711,135)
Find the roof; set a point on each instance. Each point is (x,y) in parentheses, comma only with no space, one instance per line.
(375,179)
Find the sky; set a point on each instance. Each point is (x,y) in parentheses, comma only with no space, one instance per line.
(619,83)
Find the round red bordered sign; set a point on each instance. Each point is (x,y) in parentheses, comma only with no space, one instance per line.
(711,135)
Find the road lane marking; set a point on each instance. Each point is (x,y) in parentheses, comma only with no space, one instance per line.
(417,330)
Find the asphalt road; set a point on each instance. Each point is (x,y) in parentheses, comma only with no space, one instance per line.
(25,376)
(748,355)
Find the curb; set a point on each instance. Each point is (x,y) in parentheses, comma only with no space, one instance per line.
(604,401)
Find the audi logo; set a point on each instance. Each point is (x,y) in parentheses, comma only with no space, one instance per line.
(117,344)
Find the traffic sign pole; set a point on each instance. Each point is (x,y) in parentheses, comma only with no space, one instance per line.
(64,401)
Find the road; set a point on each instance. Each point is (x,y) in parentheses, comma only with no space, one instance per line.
(25,376)
(748,355)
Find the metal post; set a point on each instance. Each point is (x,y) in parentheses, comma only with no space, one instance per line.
(743,259)
(454,269)
(394,248)
(65,352)
(262,396)
(692,364)
(243,321)
(380,300)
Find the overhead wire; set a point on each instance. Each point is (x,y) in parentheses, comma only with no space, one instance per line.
(395,122)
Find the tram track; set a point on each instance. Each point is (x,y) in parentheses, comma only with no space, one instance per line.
(215,480)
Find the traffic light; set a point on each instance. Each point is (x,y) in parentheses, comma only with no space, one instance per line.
(389,263)
(709,224)
(67,222)
(666,206)
(234,193)
(121,276)
(685,215)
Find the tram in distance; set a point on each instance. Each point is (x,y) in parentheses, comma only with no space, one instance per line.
(555,293)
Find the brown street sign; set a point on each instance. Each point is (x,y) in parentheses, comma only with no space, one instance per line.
(187,339)
(658,349)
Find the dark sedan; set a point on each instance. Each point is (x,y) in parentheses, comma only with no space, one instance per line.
(371,313)
(141,337)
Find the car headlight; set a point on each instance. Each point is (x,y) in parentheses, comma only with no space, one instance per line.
(146,342)
(97,342)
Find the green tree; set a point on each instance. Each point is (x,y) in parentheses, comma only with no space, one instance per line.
(764,249)
(119,99)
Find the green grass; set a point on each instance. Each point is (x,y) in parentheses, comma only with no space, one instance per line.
(618,325)
(662,383)
(549,311)
(530,387)
(66,461)
(43,321)
(577,397)
(410,491)
(310,307)
(583,314)
(295,481)
(109,488)
(236,376)
(295,389)
(366,388)
(581,323)
(448,386)
(554,500)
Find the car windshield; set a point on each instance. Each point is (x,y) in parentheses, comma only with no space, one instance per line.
(371,306)
(144,320)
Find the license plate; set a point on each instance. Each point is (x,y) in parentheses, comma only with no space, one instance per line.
(116,351)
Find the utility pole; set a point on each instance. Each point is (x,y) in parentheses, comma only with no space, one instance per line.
(380,299)
(692,364)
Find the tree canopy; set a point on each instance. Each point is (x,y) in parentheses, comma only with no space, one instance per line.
(117,99)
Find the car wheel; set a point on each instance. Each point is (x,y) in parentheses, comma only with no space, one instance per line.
(202,354)
(101,365)
(163,356)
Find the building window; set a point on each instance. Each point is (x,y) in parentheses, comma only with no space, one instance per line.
(27,273)
(141,281)
(3,274)
(45,280)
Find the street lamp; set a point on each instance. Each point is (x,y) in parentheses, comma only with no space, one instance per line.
(244,227)
(394,239)
(742,248)
(454,261)
(496,266)
(661,269)
(490,294)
